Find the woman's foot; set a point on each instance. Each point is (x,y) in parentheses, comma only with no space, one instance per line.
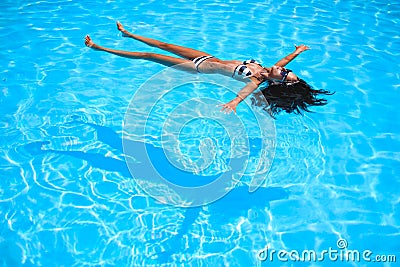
(89,42)
(122,29)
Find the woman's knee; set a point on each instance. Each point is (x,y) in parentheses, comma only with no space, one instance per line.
(146,55)
(163,45)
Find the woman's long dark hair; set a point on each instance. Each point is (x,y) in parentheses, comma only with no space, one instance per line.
(290,97)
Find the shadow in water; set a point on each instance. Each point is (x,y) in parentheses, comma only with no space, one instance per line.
(96,160)
(231,206)
(155,154)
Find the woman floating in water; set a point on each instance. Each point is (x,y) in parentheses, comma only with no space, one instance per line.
(281,87)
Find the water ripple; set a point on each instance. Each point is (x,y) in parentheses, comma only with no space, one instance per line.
(66,197)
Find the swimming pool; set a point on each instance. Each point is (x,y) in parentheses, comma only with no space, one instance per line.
(67,198)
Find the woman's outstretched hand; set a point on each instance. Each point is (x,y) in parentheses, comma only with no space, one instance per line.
(230,106)
(301,48)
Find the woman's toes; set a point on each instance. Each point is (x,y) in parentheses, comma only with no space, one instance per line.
(88,41)
(119,26)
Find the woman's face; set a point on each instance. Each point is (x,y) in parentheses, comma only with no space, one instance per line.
(276,73)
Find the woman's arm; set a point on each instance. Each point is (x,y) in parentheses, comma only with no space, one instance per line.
(245,92)
(284,61)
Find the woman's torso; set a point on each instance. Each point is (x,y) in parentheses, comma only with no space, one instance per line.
(231,68)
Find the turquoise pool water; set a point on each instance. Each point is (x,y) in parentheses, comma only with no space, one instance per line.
(67,198)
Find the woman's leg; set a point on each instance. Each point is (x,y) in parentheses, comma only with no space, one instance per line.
(182,51)
(161,59)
